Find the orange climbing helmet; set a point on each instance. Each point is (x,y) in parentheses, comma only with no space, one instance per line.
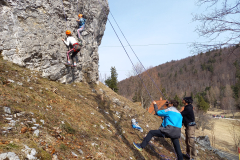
(80,15)
(68,32)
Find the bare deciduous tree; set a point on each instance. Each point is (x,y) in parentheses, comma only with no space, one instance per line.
(221,18)
(202,120)
(212,128)
(136,69)
(233,130)
(228,101)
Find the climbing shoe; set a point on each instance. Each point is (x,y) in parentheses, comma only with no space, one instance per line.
(137,146)
(67,64)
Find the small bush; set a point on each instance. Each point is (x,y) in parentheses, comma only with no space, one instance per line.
(42,155)
(63,147)
(11,146)
(67,127)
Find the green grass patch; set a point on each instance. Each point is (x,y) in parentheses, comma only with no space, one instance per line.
(11,146)
(63,147)
(67,127)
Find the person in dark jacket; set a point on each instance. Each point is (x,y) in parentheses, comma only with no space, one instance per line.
(189,123)
(170,128)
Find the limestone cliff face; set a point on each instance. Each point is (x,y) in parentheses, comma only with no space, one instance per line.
(31,33)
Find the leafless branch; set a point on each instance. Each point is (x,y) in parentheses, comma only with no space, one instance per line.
(221,21)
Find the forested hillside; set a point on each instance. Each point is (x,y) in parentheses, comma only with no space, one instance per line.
(212,77)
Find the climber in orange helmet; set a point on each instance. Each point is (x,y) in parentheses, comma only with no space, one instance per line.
(81,22)
(75,48)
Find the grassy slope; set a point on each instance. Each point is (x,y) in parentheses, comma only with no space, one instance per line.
(83,110)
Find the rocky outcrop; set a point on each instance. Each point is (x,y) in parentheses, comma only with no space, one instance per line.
(206,144)
(31,33)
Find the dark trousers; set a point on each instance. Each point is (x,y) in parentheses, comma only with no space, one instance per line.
(158,133)
(73,52)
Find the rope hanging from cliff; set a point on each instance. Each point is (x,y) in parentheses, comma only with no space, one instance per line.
(134,53)
(137,56)
(135,68)
(127,54)
(131,61)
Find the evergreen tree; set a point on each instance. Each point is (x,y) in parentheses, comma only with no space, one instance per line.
(179,100)
(236,87)
(111,82)
(164,93)
(136,97)
(202,104)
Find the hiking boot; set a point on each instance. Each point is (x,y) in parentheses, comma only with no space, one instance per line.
(74,65)
(186,156)
(137,146)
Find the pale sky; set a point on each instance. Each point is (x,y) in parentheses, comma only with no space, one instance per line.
(145,22)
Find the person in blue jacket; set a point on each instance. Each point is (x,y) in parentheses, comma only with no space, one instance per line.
(81,22)
(170,127)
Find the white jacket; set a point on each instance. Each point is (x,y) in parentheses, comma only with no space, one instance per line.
(70,41)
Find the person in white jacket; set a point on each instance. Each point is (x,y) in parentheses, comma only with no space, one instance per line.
(75,48)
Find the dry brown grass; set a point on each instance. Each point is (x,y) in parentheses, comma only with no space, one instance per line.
(83,112)
(223,136)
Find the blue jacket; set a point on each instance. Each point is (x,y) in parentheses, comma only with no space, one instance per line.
(81,22)
(172,122)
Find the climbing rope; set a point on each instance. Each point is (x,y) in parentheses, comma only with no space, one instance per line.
(130,58)
(127,54)
(137,56)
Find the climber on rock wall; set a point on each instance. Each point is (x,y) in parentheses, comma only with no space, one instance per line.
(81,22)
(75,48)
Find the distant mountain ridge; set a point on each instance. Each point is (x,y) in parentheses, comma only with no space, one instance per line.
(213,74)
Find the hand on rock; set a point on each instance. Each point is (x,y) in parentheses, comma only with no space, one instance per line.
(63,40)
(154,102)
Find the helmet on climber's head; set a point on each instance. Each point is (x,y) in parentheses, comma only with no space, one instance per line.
(68,32)
(80,15)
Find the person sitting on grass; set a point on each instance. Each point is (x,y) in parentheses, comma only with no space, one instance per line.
(170,128)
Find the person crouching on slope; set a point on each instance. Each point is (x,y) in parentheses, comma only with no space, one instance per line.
(170,128)
(75,48)
(189,123)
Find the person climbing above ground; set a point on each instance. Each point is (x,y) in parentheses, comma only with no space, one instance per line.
(170,128)
(81,22)
(75,48)
(189,123)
